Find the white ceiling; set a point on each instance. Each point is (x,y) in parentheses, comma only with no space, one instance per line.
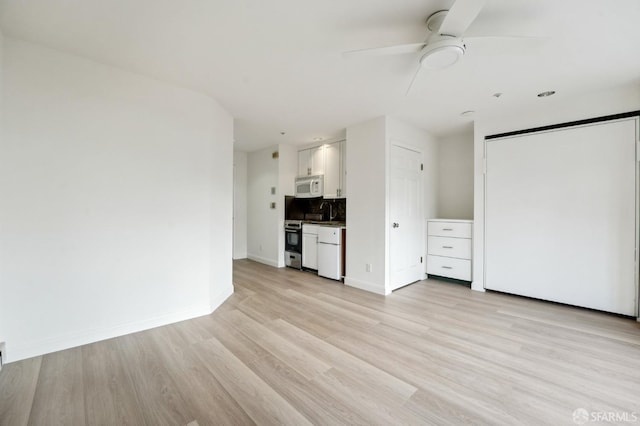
(276,65)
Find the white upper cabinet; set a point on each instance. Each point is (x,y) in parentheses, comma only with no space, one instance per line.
(311,161)
(328,160)
(303,162)
(334,170)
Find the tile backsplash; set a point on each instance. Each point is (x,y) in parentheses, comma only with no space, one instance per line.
(309,208)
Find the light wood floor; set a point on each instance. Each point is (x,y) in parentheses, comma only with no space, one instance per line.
(292,348)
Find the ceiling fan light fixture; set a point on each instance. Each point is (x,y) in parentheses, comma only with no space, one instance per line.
(442,54)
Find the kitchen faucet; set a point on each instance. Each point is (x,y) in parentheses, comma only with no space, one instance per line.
(331,216)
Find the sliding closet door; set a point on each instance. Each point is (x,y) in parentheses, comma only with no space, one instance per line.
(561,215)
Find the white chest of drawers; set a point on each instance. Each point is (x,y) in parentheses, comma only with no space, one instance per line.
(449,248)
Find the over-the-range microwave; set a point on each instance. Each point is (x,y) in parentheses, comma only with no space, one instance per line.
(309,186)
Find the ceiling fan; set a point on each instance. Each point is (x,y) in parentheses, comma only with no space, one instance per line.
(444,46)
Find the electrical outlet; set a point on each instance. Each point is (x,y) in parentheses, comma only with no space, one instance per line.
(368,267)
(261,247)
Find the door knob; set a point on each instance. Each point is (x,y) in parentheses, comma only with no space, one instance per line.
(396,224)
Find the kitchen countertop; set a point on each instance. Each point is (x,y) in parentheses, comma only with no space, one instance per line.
(334,223)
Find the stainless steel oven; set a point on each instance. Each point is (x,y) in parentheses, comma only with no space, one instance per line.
(293,243)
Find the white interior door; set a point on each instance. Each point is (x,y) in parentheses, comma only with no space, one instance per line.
(406,214)
(560,219)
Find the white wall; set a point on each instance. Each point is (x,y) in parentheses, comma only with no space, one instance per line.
(218,136)
(115,201)
(287,171)
(262,221)
(547,111)
(455,177)
(239,205)
(368,146)
(265,226)
(366,210)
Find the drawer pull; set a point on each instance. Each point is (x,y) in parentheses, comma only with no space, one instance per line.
(449,247)
(447,229)
(447,267)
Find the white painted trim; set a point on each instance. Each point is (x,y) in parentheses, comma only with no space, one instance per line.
(58,343)
(637,248)
(264,260)
(387,209)
(478,208)
(219,298)
(364,285)
(476,287)
(389,146)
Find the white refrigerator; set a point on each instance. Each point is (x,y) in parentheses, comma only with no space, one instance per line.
(330,252)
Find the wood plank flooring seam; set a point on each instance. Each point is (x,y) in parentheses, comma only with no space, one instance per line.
(289,347)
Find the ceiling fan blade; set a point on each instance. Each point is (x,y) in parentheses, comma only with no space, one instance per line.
(460,16)
(398,49)
(506,46)
(415,77)
(505,41)
(506,37)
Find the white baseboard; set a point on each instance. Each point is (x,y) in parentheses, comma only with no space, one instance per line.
(363,285)
(219,298)
(477,286)
(264,260)
(25,350)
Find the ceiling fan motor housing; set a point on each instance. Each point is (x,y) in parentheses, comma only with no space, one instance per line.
(442,51)
(434,21)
